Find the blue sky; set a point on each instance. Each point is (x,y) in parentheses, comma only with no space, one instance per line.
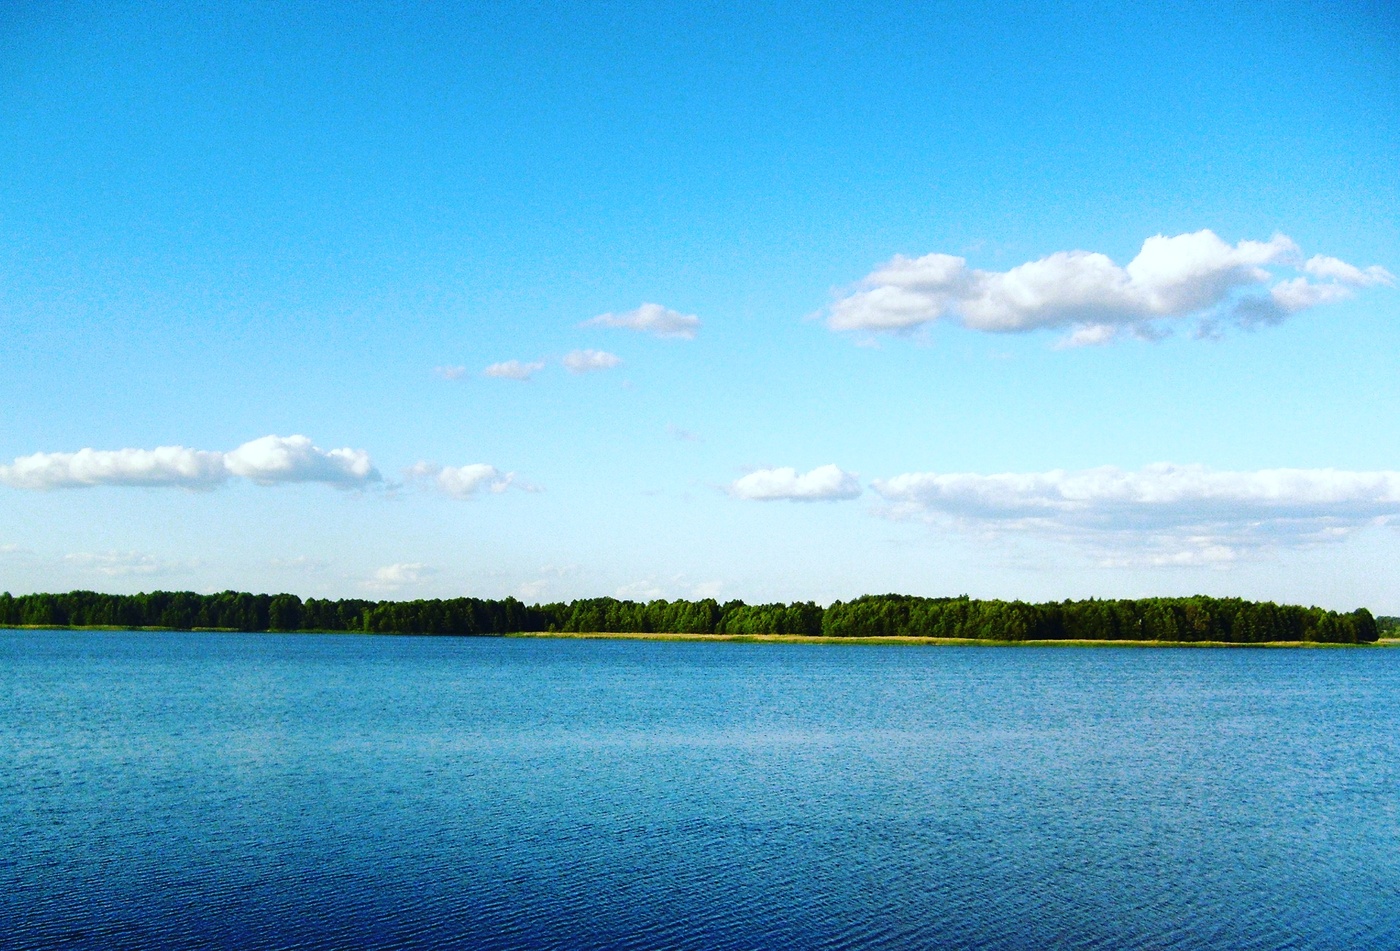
(218,226)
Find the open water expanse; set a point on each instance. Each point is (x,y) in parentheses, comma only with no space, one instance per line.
(338,791)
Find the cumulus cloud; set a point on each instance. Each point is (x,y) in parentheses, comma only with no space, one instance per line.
(652,319)
(163,466)
(266,461)
(513,370)
(586,361)
(1189,276)
(1162,514)
(463,482)
(274,459)
(822,484)
(393,577)
(451,372)
(1322,266)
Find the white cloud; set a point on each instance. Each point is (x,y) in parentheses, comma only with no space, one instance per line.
(163,466)
(1286,298)
(451,373)
(1322,266)
(1189,276)
(532,590)
(266,461)
(549,576)
(116,564)
(1092,335)
(653,319)
(647,590)
(393,577)
(463,482)
(1160,514)
(275,459)
(300,563)
(513,370)
(822,484)
(586,361)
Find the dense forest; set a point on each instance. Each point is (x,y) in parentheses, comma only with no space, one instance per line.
(1153,619)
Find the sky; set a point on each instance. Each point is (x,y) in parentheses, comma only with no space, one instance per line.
(768,301)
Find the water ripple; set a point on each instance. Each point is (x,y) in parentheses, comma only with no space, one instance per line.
(303,792)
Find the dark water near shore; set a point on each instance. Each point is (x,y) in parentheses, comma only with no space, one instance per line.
(307,791)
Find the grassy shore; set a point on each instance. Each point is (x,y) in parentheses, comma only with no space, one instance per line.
(112,627)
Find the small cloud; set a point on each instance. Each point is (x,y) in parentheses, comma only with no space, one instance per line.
(550,575)
(393,577)
(639,591)
(513,370)
(823,484)
(1089,335)
(300,563)
(116,564)
(1322,266)
(586,361)
(681,435)
(652,319)
(532,590)
(450,373)
(1208,329)
(279,459)
(707,589)
(464,482)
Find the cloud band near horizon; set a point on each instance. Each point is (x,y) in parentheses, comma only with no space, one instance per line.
(1161,514)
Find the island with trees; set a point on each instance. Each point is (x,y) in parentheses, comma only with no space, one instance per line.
(1196,619)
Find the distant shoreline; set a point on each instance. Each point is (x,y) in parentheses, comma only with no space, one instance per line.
(910,640)
(1196,619)
(892,640)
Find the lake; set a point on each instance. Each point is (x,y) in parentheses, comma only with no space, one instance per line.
(165,790)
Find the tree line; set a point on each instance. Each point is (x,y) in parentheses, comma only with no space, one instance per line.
(1197,618)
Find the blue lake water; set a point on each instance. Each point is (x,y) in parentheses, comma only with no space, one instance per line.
(308,791)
